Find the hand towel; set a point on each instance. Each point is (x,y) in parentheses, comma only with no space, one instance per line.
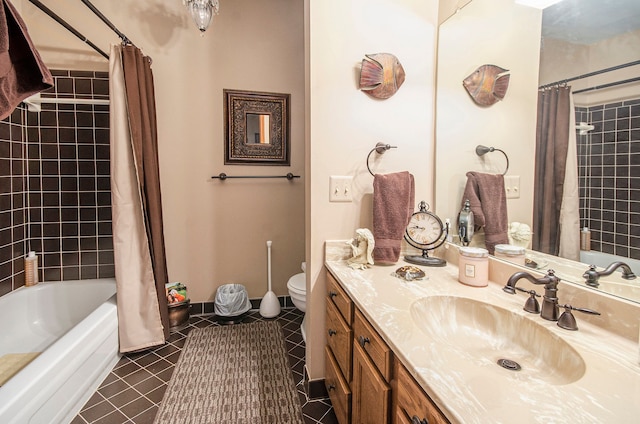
(22,72)
(488,202)
(393,203)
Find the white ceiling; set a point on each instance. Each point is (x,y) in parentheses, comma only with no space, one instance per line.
(590,21)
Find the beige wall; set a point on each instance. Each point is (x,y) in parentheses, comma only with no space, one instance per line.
(344,124)
(560,60)
(215,231)
(494,32)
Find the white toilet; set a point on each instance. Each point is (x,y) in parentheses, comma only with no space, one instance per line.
(297,286)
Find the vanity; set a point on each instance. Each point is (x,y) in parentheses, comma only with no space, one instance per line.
(437,351)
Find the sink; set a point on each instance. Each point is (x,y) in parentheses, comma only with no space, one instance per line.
(471,332)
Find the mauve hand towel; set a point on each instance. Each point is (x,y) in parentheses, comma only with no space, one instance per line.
(22,72)
(488,202)
(393,202)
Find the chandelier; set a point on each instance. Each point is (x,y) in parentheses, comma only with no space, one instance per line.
(202,11)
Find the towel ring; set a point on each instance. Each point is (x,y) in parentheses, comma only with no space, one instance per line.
(380,149)
(482,150)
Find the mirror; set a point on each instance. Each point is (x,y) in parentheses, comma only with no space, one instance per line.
(256,128)
(492,31)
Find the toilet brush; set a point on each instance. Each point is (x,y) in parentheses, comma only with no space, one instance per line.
(269,306)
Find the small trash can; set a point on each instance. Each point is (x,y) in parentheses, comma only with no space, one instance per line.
(178,315)
(232,300)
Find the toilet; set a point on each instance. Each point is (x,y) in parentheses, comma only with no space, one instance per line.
(297,286)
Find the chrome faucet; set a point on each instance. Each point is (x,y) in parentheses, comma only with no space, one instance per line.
(592,275)
(550,310)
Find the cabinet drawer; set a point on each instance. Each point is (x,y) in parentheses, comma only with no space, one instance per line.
(337,387)
(412,401)
(339,298)
(367,337)
(339,336)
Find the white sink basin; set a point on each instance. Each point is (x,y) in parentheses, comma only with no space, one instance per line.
(482,334)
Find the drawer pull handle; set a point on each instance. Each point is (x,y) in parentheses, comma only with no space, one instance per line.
(332,332)
(416,420)
(362,340)
(332,294)
(330,387)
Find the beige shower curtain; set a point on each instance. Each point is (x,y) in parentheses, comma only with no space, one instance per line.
(570,209)
(554,181)
(135,194)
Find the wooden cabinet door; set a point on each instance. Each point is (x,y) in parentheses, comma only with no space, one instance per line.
(412,402)
(370,392)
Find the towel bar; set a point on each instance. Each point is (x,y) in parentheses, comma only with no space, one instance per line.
(482,150)
(222,176)
(380,149)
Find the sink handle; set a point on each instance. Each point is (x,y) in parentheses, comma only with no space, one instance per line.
(568,321)
(362,340)
(531,305)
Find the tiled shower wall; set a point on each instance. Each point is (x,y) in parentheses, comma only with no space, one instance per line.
(54,185)
(609,172)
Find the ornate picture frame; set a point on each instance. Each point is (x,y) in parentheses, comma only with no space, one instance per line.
(256,128)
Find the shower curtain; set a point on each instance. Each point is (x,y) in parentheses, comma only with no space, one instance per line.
(140,262)
(555,198)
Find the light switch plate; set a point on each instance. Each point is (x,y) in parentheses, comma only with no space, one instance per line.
(512,186)
(340,189)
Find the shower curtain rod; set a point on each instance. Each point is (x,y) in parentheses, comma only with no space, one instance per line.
(590,74)
(124,38)
(71,29)
(611,84)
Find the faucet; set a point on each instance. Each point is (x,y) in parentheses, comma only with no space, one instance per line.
(550,310)
(592,276)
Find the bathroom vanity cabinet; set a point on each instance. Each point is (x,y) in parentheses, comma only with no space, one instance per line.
(365,382)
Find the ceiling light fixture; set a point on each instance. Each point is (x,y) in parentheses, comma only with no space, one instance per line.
(202,11)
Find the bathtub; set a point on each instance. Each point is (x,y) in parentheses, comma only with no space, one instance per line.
(74,325)
(603,260)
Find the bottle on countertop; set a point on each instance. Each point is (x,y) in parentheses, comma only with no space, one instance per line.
(585,239)
(31,269)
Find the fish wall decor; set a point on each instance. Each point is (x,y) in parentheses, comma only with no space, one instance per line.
(487,84)
(381,75)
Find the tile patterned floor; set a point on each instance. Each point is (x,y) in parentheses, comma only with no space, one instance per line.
(134,389)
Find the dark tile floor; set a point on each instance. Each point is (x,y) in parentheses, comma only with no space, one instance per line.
(132,392)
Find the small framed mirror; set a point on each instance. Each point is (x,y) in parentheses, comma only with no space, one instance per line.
(256,128)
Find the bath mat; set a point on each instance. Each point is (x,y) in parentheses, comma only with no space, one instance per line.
(232,374)
(11,363)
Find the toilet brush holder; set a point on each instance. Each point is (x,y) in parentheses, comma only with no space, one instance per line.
(270,305)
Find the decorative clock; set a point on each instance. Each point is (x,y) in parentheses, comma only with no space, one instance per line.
(425,231)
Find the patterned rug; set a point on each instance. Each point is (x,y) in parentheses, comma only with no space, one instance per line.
(232,374)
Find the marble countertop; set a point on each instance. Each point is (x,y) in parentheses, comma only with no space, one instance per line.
(471,390)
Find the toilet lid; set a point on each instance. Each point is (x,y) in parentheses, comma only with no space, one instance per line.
(298,282)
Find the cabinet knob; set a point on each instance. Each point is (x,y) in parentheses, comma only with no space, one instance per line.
(332,293)
(416,420)
(332,332)
(362,340)
(330,387)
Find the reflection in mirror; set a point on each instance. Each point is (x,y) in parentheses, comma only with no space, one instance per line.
(577,39)
(258,128)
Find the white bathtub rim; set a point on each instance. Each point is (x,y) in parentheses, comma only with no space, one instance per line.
(100,323)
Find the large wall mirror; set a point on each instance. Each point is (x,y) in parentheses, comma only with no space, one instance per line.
(542,46)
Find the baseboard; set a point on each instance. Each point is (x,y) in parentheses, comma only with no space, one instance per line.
(206,308)
(315,389)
